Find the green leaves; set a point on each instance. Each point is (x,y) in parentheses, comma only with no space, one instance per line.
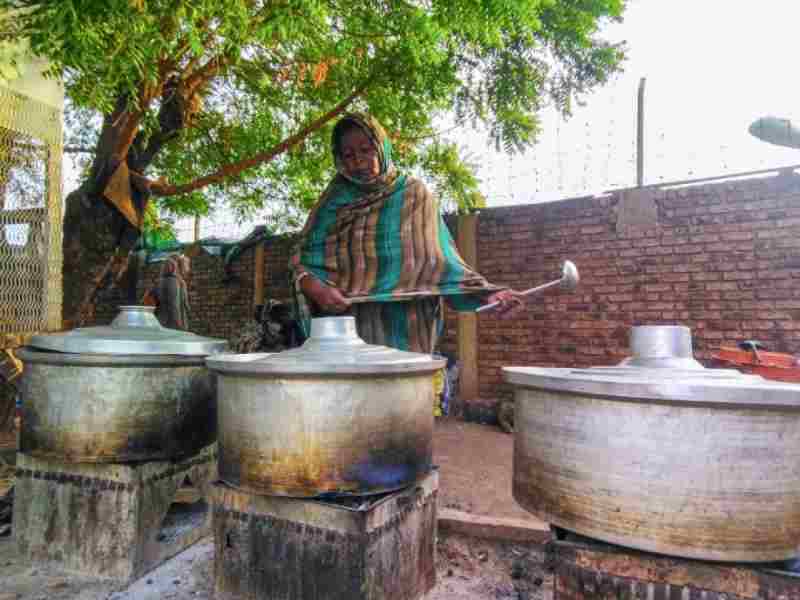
(254,72)
(452,177)
(159,232)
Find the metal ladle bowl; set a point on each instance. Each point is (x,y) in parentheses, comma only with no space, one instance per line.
(569,280)
(569,275)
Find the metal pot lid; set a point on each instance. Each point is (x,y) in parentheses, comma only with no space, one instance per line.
(661,368)
(333,348)
(134,331)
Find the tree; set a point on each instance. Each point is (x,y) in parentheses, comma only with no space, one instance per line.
(204,101)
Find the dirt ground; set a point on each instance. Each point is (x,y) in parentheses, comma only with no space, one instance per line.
(475,477)
(475,468)
(467,569)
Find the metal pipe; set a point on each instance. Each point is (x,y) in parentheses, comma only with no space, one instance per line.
(640,135)
(569,279)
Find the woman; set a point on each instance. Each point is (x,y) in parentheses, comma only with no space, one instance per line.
(376,246)
(173,293)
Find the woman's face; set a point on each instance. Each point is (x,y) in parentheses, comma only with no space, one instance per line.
(359,156)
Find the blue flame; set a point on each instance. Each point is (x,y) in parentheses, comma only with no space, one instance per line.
(384,476)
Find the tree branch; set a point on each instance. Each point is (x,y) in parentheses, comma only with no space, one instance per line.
(154,145)
(195,60)
(172,117)
(201,76)
(194,77)
(129,121)
(235,168)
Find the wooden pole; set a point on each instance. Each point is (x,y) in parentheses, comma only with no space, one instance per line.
(258,278)
(196,227)
(640,135)
(467,339)
(53,283)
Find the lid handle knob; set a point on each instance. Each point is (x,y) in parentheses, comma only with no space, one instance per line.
(136,316)
(661,341)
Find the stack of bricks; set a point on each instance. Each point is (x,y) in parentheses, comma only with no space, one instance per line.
(276,268)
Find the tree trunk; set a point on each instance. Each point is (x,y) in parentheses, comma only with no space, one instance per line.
(97,242)
(97,237)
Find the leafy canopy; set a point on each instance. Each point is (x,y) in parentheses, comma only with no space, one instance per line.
(244,75)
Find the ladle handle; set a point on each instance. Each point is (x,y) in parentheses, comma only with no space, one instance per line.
(527,292)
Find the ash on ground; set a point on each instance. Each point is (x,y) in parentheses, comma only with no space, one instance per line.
(466,569)
(470,569)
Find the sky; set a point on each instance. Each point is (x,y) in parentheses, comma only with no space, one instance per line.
(711,66)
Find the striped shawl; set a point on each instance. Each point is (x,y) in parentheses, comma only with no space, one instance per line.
(385,241)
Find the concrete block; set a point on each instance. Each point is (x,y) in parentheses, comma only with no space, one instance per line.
(114,521)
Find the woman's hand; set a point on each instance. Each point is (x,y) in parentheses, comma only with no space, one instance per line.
(509,303)
(331,300)
(327,297)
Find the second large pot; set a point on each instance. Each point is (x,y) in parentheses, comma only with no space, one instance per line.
(336,416)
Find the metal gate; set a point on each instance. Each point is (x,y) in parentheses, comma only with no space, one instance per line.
(30,213)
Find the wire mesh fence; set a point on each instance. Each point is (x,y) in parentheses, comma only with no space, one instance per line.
(688,134)
(30,214)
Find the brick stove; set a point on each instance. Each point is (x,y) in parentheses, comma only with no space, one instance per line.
(115,521)
(360,548)
(589,569)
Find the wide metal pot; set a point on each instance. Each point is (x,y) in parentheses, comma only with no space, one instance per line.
(132,391)
(660,454)
(336,416)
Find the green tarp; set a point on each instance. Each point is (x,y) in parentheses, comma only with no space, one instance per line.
(230,250)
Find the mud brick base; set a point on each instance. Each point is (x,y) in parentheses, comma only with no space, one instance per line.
(114,521)
(269,547)
(587,569)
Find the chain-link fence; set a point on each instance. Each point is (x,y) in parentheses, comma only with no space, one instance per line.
(30,215)
(30,224)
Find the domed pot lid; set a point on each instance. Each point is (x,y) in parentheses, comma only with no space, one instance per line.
(333,348)
(661,368)
(134,331)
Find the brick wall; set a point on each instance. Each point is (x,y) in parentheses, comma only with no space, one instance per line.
(220,303)
(724,260)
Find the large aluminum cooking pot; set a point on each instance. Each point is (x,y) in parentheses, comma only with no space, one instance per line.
(661,454)
(131,391)
(335,416)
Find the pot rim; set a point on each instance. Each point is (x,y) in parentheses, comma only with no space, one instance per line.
(28,354)
(254,365)
(652,385)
